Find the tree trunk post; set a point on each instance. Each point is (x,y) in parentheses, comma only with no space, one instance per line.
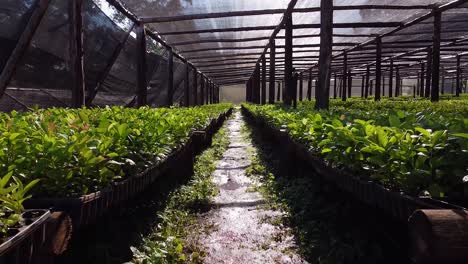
(345,76)
(436,57)
(142,83)
(458,81)
(288,60)
(271,83)
(378,69)
(427,92)
(22,44)
(264,80)
(322,93)
(77,53)
(366,92)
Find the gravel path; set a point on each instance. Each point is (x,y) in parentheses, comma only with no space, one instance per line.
(240,223)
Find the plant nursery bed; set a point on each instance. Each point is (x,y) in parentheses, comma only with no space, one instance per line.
(23,241)
(398,205)
(86,210)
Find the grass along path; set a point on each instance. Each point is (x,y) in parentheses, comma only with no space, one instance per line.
(175,237)
(240,225)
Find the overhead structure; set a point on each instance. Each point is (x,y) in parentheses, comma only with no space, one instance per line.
(142,52)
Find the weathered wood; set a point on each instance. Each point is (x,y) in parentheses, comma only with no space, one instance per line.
(77,54)
(335,86)
(202,89)
(427,91)
(279,92)
(350,84)
(378,70)
(443,81)
(390,80)
(195,86)
(170,78)
(22,43)
(436,57)
(298,26)
(366,92)
(458,78)
(295,80)
(363,85)
(421,83)
(398,83)
(345,76)
(288,67)
(439,236)
(301,87)
(264,80)
(275,11)
(103,76)
(322,93)
(271,82)
(187,85)
(309,86)
(142,91)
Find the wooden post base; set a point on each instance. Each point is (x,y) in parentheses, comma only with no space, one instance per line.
(439,236)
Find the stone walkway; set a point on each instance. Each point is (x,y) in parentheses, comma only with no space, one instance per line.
(240,230)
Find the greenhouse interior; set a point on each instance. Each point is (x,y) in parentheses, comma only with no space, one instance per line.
(233,131)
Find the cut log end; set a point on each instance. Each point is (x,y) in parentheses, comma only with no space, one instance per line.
(59,231)
(439,236)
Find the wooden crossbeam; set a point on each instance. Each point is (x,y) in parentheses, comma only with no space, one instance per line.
(276,11)
(298,26)
(22,44)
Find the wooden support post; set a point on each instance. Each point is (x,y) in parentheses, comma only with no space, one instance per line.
(378,70)
(142,83)
(288,59)
(279,92)
(371,91)
(427,91)
(350,84)
(363,85)
(22,43)
(170,78)
(345,76)
(271,82)
(322,90)
(301,86)
(309,86)
(295,80)
(335,82)
(366,92)
(436,56)
(247,91)
(458,86)
(390,80)
(76,53)
(195,87)
(257,85)
(418,80)
(414,91)
(398,83)
(340,88)
(187,85)
(438,236)
(207,94)
(422,78)
(383,85)
(443,82)
(264,80)
(202,89)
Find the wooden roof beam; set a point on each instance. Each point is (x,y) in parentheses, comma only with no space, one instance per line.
(277,11)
